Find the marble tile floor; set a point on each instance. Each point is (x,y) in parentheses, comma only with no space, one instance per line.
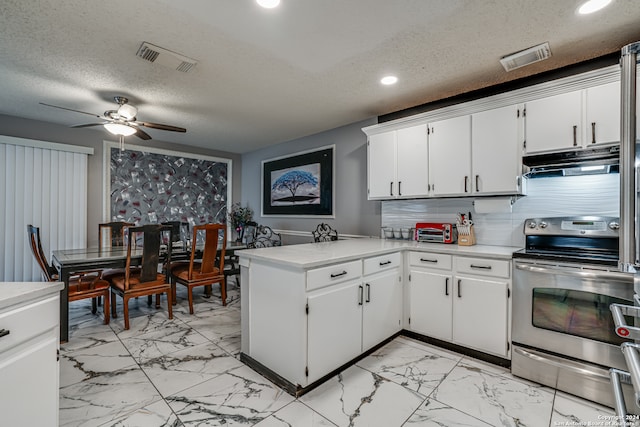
(186,372)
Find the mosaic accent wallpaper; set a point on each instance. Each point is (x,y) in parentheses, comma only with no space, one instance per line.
(151,188)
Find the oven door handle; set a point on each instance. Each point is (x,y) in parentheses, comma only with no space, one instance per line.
(597,373)
(585,274)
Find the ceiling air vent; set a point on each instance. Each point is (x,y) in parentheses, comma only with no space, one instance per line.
(165,57)
(526,57)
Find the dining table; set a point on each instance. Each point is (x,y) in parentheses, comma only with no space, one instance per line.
(70,261)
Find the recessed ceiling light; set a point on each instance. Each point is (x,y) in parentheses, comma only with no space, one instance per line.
(268,4)
(591,6)
(389,80)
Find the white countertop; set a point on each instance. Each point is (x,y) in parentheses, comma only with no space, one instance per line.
(310,255)
(12,293)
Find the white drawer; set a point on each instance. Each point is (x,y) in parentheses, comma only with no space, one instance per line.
(326,276)
(381,263)
(27,321)
(430,260)
(483,266)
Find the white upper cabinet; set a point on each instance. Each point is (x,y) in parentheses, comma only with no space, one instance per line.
(496,151)
(603,114)
(554,123)
(412,155)
(398,164)
(381,167)
(450,156)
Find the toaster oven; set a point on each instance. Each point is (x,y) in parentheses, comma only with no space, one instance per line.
(436,232)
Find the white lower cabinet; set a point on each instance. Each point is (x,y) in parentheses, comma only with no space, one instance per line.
(334,326)
(382,308)
(465,302)
(29,369)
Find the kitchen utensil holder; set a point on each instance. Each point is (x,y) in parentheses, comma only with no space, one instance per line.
(466,235)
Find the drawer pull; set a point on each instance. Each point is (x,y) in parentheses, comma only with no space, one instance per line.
(4,332)
(459,288)
(334,275)
(481,267)
(384,263)
(435,261)
(446,286)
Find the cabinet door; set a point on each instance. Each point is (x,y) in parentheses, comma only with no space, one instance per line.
(496,144)
(603,113)
(554,123)
(382,311)
(412,161)
(381,167)
(480,314)
(450,156)
(30,378)
(334,326)
(430,303)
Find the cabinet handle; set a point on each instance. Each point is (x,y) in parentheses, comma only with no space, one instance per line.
(368,293)
(4,332)
(575,136)
(446,286)
(459,288)
(466,183)
(435,261)
(399,190)
(482,267)
(593,132)
(334,275)
(360,290)
(477,186)
(391,188)
(384,263)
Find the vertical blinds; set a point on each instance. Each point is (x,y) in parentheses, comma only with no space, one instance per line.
(46,187)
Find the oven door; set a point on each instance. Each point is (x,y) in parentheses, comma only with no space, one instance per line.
(564,309)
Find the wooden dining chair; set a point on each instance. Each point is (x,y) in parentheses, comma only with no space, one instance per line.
(209,269)
(324,233)
(111,234)
(180,231)
(82,285)
(143,279)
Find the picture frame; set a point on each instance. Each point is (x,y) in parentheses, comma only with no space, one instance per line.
(301,184)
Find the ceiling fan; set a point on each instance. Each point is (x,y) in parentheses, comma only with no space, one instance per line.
(122,121)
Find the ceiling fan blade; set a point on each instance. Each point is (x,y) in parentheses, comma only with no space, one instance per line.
(87,125)
(71,109)
(142,134)
(162,127)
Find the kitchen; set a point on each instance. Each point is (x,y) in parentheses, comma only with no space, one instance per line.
(493,228)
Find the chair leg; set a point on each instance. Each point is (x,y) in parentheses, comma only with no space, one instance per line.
(126,312)
(223,291)
(106,308)
(113,305)
(158,300)
(149,300)
(190,293)
(94,305)
(170,304)
(174,297)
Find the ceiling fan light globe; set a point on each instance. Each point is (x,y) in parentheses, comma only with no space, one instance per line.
(127,111)
(119,129)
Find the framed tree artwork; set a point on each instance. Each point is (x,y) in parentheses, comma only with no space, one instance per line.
(300,185)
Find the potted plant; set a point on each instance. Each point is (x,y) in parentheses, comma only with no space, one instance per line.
(239,217)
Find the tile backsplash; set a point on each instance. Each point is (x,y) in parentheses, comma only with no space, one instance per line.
(556,196)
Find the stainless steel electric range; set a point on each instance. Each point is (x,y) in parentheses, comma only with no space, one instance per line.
(564,281)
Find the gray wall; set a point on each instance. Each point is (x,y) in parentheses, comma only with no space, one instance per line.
(354,214)
(32,129)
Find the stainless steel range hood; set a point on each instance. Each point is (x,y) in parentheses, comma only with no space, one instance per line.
(587,161)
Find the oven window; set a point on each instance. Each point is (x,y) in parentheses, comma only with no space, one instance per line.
(579,313)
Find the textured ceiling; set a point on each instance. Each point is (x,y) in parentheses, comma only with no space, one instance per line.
(268,76)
